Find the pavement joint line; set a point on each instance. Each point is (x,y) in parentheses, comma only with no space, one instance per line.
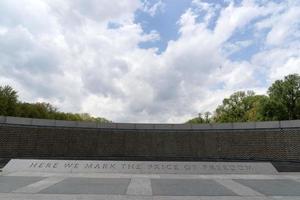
(212,198)
(139,192)
(222,176)
(156,176)
(238,188)
(296,179)
(6,196)
(139,186)
(40,185)
(83,175)
(18,196)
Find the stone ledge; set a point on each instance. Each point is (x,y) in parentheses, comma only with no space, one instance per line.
(138,167)
(18,120)
(290,124)
(270,124)
(221,126)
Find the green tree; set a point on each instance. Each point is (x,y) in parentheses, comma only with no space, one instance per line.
(255,113)
(8,101)
(207,117)
(240,107)
(284,103)
(36,110)
(200,119)
(10,106)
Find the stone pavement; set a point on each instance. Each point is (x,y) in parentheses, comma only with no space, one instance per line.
(120,186)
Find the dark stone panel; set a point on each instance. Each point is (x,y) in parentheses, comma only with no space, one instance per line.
(44,142)
(131,143)
(277,145)
(104,141)
(118,143)
(211,144)
(287,166)
(158,143)
(292,144)
(242,144)
(183,148)
(145,147)
(169,144)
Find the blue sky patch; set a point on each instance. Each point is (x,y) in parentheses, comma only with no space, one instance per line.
(165,23)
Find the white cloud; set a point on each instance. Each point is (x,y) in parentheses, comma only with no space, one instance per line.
(285,27)
(290,66)
(153,8)
(65,53)
(210,9)
(234,18)
(283,24)
(278,62)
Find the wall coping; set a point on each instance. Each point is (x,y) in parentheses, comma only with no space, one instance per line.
(79,124)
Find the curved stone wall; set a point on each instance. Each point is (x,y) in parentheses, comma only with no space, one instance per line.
(36,138)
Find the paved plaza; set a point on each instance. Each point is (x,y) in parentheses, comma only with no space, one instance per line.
(119,186)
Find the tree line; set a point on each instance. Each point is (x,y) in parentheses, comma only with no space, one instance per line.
(282,102)
(10,105)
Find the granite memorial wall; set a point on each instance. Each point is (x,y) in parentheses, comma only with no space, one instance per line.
(51,139)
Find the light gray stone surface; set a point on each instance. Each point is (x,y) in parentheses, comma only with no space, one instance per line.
(245,125)
(89,186)
(4,196)
(272,124)
(290,124)
(11,183)
(2,119)
(163,126)
(106,125)
(182,126)
(139,186)
(222,126)
(201,126)
(125,126)
(273,187)
(18,120)
(144,126)
(228,126)
(86,186)
(87,124)
(42,122)
(40,185)
(184,187)
(140,167)
(238,188)
(63,123)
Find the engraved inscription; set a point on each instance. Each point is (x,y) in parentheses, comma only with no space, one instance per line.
(145,167)
(119,166)
(45,165)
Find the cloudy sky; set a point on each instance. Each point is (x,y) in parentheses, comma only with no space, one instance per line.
(145,60)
